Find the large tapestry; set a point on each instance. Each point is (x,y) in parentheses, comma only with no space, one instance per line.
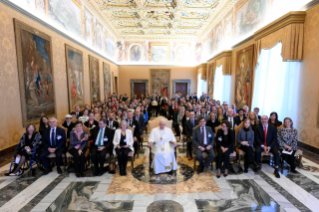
(249,15)
(34,55)
(160,81)
(74,67)
(107,80)
(94,79)
(244,76)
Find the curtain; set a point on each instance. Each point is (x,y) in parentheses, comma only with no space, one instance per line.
(201,85)
(222,85)
(276,85)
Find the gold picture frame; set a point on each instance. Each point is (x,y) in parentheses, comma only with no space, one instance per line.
(94,70)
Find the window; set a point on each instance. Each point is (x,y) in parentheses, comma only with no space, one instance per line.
(201,85)
(276,85)
(222,85)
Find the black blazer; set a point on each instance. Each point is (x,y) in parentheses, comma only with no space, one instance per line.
(70,128)
(136,126)
(189,128)
(115,124)
(107,138)
(140,122)
(87,123)
(60,143)
(197,137)
(230,139)
(271,135)
(212,125)
(238,121)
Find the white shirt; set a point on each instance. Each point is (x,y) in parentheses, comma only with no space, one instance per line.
(98,136)
(231,121)
(205,137)
(111,123)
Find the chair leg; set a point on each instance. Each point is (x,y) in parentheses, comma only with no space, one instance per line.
(300,157)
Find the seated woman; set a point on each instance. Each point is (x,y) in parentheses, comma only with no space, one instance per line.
(240,118)
(213,122)
(253,120)
(30,139)
(273,119)
(225,140)
(220,115)
(245,141)
(77,147)
(288,140)
(44,124)
(123,144)
(91,123)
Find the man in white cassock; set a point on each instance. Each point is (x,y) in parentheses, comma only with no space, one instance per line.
(162,141)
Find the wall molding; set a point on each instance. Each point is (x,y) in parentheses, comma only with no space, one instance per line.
(53,29)
(294,17)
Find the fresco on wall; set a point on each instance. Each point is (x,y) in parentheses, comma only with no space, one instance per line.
(41,6)
(99,35)
(107,80)
(198,52)
(159,53)
(94,69)
(34,55)
(109,47)
(74,64)
(249,15)
(88,26)
(208,47)
(160,81)
(135,53)
(66,13)
(181,53)
(243,78)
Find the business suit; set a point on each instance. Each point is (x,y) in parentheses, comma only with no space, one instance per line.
(198,142)
(140,121)
(58,142)
(189,125)
(211,124)
(158,107)
(231,121)
(136,126)
(271,141)
(238,121)
(70,128)
(226,141)
(99,156)
(112,124)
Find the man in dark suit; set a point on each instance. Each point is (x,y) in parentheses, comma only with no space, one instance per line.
(78,111)
(140,119)
(102,144)
(256,110)
(189,125)
(266,141)
(68,124)
(158,107)
(203,141)
(54,140)
(132,123)
(111,123)
(229,117)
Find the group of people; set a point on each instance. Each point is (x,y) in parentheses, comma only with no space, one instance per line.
(116,127)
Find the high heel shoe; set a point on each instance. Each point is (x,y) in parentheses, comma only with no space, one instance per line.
(225,173)
(218,173)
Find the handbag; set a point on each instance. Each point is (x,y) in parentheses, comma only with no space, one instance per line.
(236,168)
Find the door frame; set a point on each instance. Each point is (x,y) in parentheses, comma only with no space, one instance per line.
(182,81)
(139,81)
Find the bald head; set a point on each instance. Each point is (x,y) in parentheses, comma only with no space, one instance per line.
(230,112)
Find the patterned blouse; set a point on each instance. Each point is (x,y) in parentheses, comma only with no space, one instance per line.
(288,137)
(33,142)
(74,140)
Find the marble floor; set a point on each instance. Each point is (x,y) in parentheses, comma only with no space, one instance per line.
(183,191)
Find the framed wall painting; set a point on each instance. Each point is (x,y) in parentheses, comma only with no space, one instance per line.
(160,81)
(159,52)
(94,70)
(35,68)
(211,75)
(107,80)
(74,68)
(244,77)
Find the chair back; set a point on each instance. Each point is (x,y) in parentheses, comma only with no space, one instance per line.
(155,122)
(60,126)
(240,126)
(216,129)
(86,129)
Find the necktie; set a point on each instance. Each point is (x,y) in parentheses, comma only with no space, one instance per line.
(53,138)
(192,123)
(231,122)
(203,136)
(265,133)
(100,138)
(111,123)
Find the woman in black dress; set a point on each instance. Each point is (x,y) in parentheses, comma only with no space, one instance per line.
(273,119)
(29,141)
(44,124)
(213,122)
(225,140)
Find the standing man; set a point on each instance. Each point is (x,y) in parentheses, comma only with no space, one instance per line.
(189,126)
(135,126)
(54,140)
(102,137)
(140,119)
(203,141)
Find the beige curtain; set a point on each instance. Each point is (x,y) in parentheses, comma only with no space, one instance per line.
(224,58)
(290,35)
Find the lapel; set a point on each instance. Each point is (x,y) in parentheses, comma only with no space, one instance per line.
(268,130)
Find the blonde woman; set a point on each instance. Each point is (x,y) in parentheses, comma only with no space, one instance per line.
(220,115)
(253,120)
(123,144)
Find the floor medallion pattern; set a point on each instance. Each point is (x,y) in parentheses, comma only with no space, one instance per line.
(202,183)
(165,206)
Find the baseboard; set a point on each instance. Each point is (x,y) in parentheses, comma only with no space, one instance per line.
(308,147)
(8,150)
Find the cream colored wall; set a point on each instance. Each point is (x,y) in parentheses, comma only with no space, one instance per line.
(10,113)
(309,81)
(126,73)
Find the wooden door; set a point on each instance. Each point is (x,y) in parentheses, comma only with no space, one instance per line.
(181,87)
(139,89)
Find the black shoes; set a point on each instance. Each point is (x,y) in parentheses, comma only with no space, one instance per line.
(96,173)
(294,171)
(82,174)
(246,170)
(256,169)
(200,169)
(276,173)
(47,171)
(78,175)
(59,170)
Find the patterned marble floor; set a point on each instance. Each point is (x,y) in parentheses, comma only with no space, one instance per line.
(142,191)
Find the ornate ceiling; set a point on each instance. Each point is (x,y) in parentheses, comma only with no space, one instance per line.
(145,19)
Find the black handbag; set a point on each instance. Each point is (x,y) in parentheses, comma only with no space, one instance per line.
(236,168)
